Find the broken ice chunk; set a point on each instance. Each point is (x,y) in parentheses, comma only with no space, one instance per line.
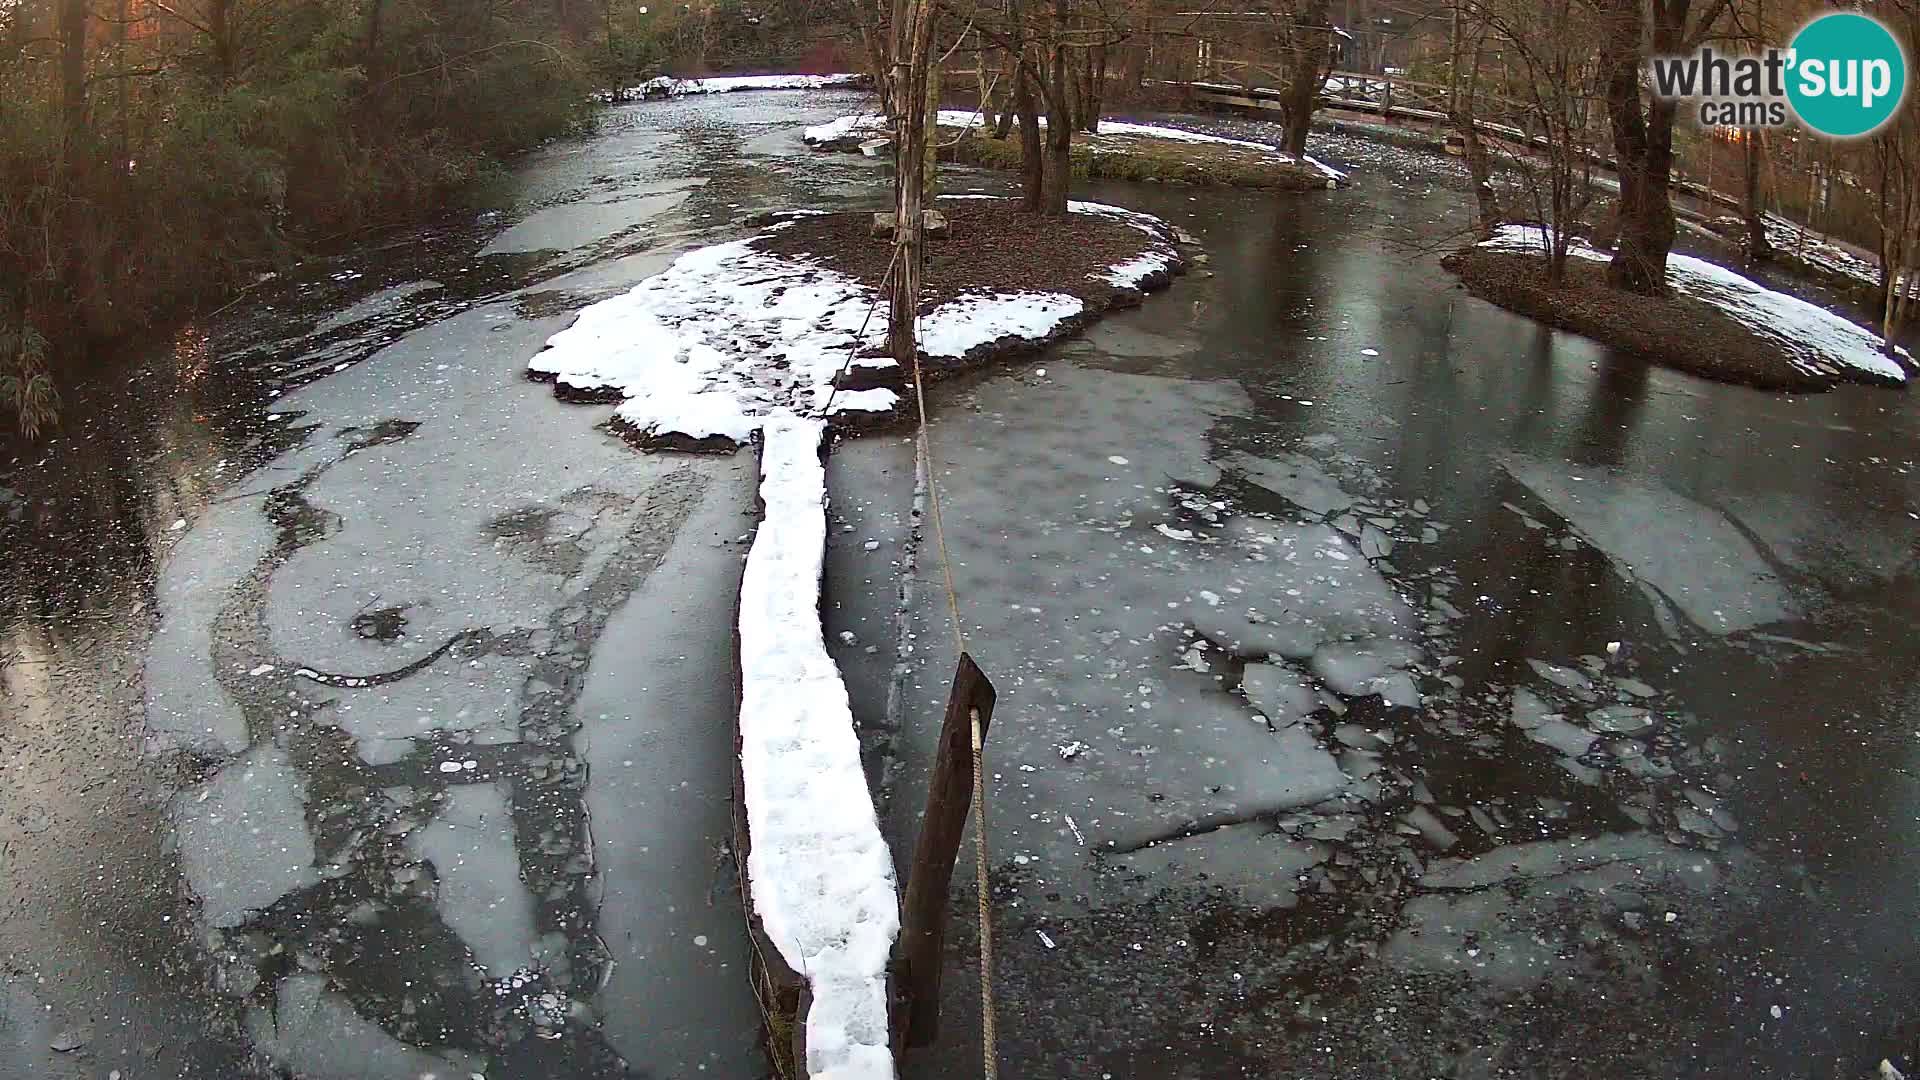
(1279,693)
(1620,719)
(1430,828)
(1374,543)
(1246,636)
(1570,739)
(1296,478)
(1634,687)
(1372,666)
(1562,676)
(1529,710)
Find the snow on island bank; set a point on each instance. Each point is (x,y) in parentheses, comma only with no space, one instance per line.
(700,354)
(1240,162)
(820,874)
(1713,322)
(666,86)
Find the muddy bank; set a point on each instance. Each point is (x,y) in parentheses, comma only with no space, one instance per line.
(792,318)
(1119,150)
(995,253)
(1151,161)
(1675,331)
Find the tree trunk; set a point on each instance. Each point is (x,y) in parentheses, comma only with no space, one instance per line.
(1642,143)
(1758,248)
(1310,38)
(1008,91)
(1479,166)
(373,64)
(1032,162)
(1898,251)
(73,77)
(878,59)
(1094,100)
(220,29)
(913,43)
(122,106)
(983,86)
(930,133)
(1059,95)
(1059,174)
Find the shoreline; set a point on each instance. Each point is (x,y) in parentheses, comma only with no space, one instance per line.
(1712,322)
(791,317)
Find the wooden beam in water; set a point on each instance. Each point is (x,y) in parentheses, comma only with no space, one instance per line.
(949,799)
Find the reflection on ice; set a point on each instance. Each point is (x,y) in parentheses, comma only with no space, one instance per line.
(319,1031)
(1527,912)
(1698,560)
(243,836)
(470,843)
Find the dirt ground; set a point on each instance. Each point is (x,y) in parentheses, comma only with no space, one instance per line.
(1673,331)
(990,247)
(1151,160)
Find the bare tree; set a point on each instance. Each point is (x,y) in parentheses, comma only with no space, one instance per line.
(1556,44)
(1469,36)
(911,48)
(1642,126)
(1896,155)
(1310,51)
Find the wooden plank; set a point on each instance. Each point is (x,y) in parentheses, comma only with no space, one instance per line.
(949,799)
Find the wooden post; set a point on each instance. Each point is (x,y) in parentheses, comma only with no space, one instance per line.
(949,798)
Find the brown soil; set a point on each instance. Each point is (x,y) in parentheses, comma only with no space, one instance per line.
(990,247)
(1146,159)
(1673,331)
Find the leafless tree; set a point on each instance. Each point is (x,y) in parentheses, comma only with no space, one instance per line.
(1896,155)
(1642,125)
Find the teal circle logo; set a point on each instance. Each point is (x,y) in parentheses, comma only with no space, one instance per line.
(1848,75)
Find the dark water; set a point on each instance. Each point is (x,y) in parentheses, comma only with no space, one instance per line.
(345,480)
(360,711)
(1741,564)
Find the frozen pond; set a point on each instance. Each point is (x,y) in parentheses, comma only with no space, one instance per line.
(1388,686)
(373,700)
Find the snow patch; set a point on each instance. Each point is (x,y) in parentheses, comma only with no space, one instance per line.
(1111,136)
(1158,131)
(834,130)
(726,335)
(969,321)
(709,346)
(1814,339)
(823,884)
(668,86)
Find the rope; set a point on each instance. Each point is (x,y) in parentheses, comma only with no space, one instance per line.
(989,1058)
(933,500)
(826,411)
(989,1053)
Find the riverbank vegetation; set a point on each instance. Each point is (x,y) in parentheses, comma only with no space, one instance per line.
(1150,160)
(1558,130)
(1040,75)
(157,154)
